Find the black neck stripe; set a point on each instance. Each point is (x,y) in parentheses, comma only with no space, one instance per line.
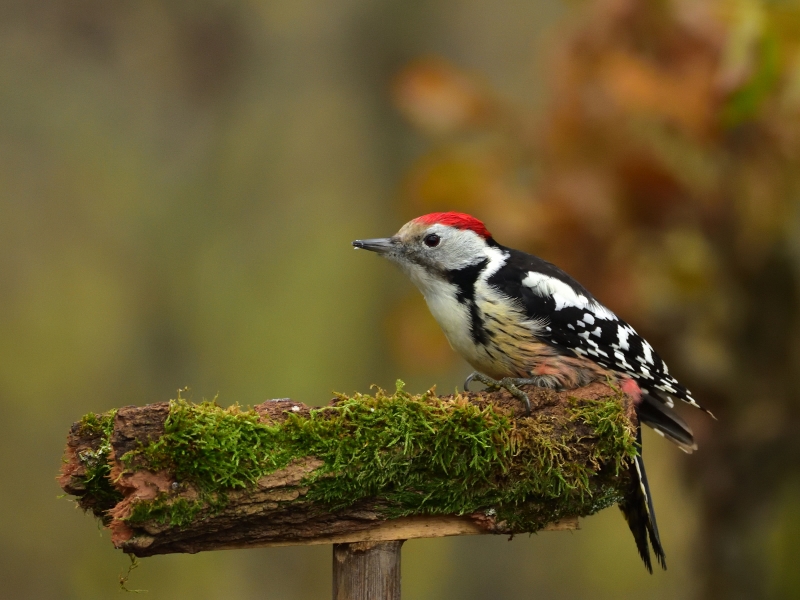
(464,280)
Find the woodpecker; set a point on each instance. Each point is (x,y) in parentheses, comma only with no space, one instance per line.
(520,320)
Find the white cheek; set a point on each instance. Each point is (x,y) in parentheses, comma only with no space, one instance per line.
(458,248)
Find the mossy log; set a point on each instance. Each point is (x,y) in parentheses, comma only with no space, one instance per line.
(182,477)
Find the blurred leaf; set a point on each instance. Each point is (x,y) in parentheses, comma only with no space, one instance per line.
(680,91)
(745,102)
(453,177)
(438,98)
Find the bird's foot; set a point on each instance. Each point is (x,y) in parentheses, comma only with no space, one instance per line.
(507,383)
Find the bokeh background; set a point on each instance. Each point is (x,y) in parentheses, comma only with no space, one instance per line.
(180,181)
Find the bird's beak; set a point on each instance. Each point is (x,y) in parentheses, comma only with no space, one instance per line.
(379,245)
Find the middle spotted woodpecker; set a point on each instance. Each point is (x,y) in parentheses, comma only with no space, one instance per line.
(520,320)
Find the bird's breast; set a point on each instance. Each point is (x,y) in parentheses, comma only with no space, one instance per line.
(488,331)
(513,345)
(454,318)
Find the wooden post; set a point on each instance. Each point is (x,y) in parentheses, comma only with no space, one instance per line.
(367,570)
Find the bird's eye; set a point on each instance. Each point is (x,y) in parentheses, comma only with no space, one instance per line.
(431,240)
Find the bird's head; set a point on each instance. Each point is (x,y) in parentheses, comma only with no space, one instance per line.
(431,247)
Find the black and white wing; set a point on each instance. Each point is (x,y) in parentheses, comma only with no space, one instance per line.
(577,324)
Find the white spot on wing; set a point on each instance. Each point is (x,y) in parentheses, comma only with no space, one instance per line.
(648,352)
(622,338)
(565,296)
(622,360)
(601,312)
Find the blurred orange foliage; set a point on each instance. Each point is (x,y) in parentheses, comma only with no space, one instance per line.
(440,99)
(664,175)
(651,177)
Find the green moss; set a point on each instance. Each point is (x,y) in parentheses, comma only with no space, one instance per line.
(176,511)
(214,448)
(100,495)
(414,452)
(611,428)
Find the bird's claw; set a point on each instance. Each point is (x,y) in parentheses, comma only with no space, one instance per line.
(506,383)
(511,385)
(468,380)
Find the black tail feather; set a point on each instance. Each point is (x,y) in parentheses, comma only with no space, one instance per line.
(638,510)
(659,416)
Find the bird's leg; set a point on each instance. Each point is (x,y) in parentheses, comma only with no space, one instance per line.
(507,383)
(487,381)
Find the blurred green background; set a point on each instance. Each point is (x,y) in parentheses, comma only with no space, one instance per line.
(180,182)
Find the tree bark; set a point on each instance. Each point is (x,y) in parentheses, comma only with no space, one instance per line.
(367,571)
